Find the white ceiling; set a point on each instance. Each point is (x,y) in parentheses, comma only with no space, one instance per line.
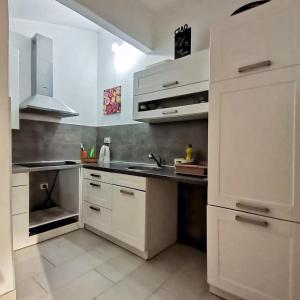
(156,5)
(49,11)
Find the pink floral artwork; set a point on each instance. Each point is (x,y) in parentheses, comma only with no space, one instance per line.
(112,101)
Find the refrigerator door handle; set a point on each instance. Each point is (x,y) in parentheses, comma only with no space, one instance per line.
(252,207)
(252,221)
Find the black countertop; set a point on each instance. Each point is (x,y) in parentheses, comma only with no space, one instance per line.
(165,172)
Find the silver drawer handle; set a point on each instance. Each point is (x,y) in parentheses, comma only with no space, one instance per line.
(95,208)
(170,112)
(95,185)
(96,176)
(251,221)
(253,208)
(266,63)
(127,192)
(172,83)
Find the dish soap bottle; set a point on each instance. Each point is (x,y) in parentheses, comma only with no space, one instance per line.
(189,153)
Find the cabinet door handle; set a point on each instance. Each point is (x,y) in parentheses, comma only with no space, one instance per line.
(251,221)
(169,84)
(95,185)
(127,192)
(170,112)
(96,176)
(262,64)
(95,208)
(253,208)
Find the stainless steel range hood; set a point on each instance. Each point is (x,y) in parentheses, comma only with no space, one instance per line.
(42,101)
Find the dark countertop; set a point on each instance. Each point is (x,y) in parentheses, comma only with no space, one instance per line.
(165,172)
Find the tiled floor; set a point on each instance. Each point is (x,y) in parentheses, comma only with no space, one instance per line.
(83,266)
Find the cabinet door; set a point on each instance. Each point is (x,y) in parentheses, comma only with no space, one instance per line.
(129,216)
(266,37)
(173,74)
(20,200)
(253,257)
(254,144)
(20,224)
(14,86)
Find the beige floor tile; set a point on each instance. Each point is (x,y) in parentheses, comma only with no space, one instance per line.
(60,250)
(29,290)
(118,267)
(189,282)
(84,239)
(30,267)
(69,271)
(86,287)
(163,294)
(109,249)
(27,253)
(209,296)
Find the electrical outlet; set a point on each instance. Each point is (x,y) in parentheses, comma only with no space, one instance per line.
(44,186)
(107,140)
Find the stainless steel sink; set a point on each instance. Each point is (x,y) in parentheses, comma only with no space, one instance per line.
(144,168)
(47,164)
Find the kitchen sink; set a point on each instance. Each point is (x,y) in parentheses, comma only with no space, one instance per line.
(47,164)
(144,168)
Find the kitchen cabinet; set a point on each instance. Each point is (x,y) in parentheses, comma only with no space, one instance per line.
(14,86)
(135,212)
(163,92)
(253,257)
(254,144)
(261,39)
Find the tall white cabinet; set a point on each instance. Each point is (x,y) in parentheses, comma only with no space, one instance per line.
(254,148)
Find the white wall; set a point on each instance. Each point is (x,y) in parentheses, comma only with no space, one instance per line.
(110,76)
(75,68)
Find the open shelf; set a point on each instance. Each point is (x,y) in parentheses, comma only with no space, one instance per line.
(49,215)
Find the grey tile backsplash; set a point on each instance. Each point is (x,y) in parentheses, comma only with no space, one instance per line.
(38,140)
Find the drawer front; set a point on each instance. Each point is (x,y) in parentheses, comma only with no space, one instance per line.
(20,179)
(174,74)
(98,193)
(130,181)
(253,257)
(129,216)
(20,224)
(97,217)
(20,199)
(97,175)
(274,43)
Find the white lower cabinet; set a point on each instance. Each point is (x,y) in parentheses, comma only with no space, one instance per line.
(134,213)
(129,216)
(253,257)
(20,224)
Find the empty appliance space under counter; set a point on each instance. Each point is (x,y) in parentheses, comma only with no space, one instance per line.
(46,203)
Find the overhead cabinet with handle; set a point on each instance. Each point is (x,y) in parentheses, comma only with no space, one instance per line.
(173,90)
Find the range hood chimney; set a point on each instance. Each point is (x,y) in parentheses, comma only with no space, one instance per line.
(42,100)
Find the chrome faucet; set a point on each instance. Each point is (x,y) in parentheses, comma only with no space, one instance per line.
(157,160)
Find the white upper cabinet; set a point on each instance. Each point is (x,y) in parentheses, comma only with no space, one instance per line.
(253,257)
(14,86)
(172,90)
(266,37)
(254,144)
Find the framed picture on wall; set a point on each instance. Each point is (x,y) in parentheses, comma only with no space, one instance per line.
(112,101)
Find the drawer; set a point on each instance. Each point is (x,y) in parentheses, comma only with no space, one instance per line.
(274,43)
(20,224)
(20,179)
(98,193)
(173,74)
(97,175)
(134,182)
(96,216)
(20,199)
